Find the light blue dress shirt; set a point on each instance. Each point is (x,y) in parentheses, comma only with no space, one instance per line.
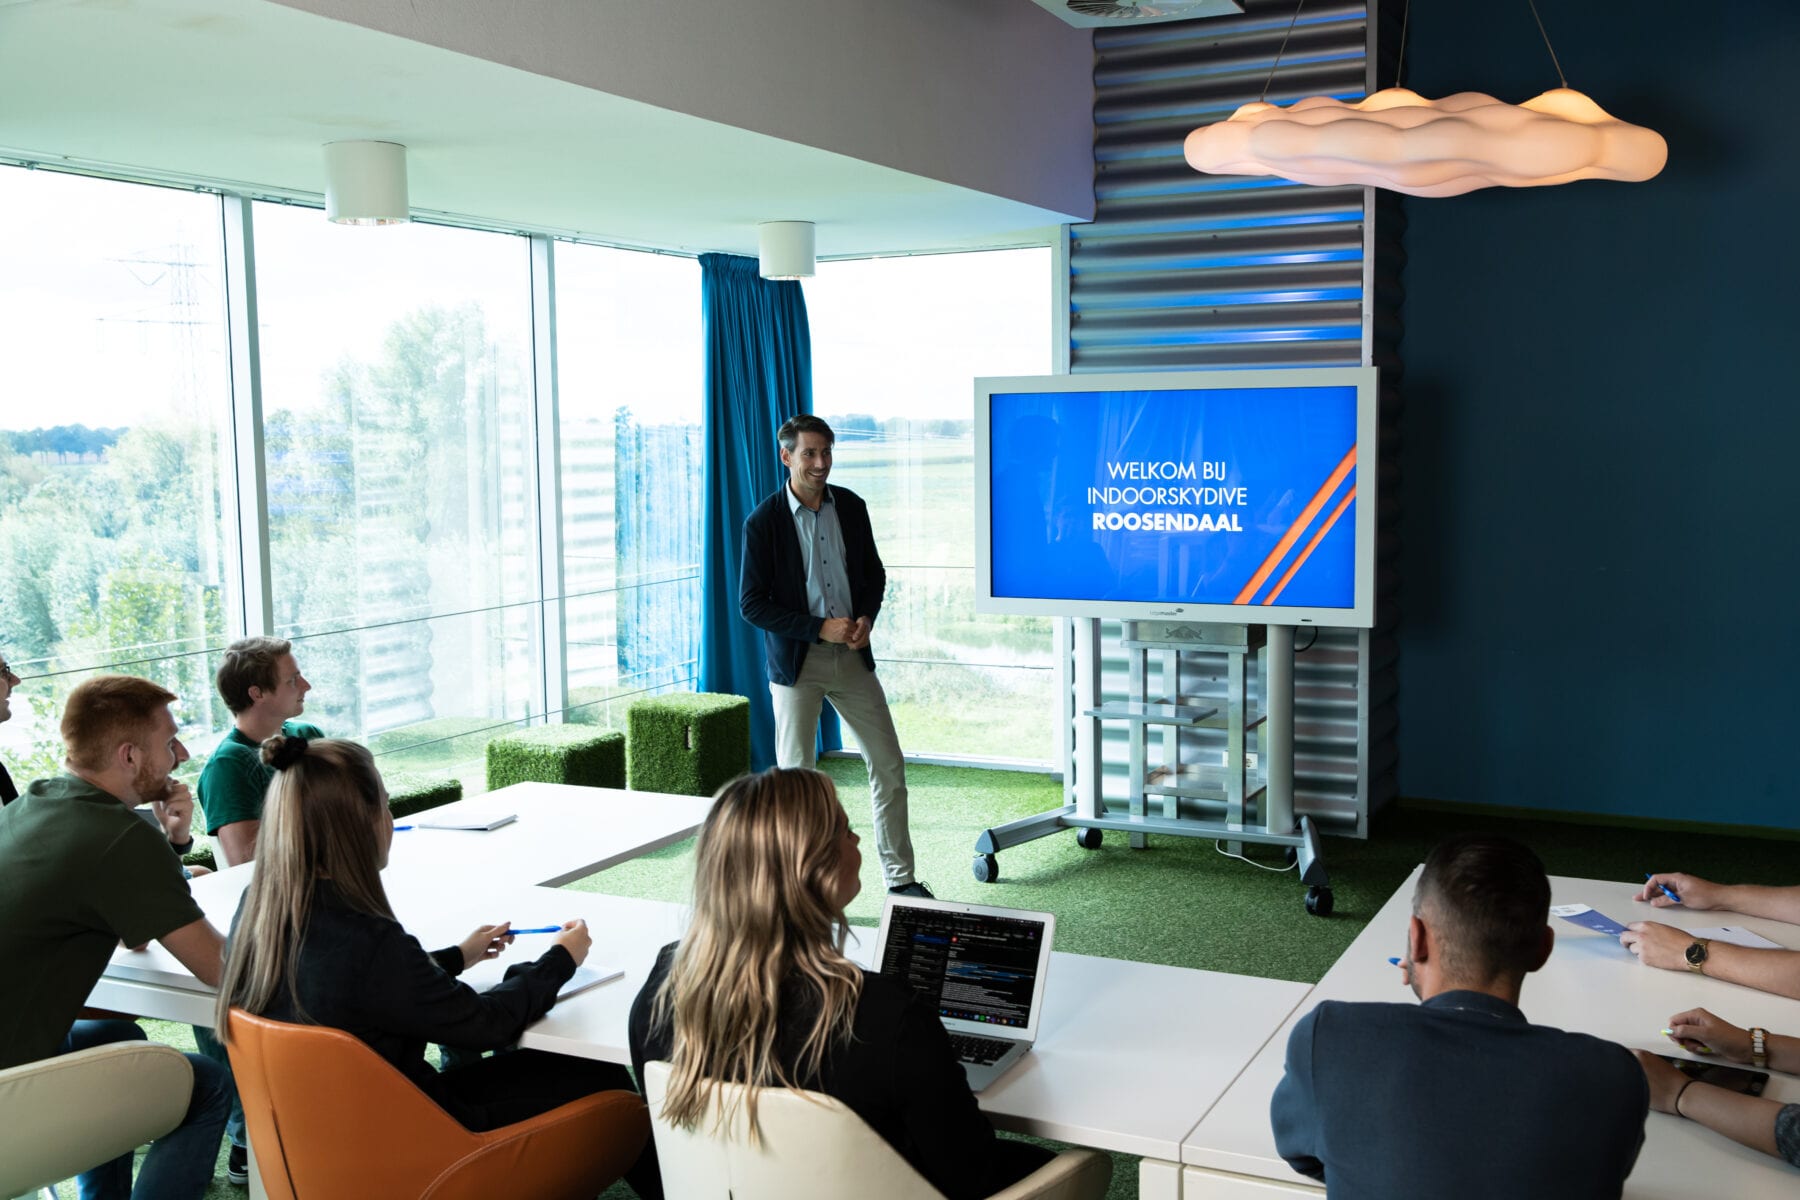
(822,550)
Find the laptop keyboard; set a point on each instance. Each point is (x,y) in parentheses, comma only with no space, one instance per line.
(978,1050)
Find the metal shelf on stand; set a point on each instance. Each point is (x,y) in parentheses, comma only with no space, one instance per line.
(1171,791)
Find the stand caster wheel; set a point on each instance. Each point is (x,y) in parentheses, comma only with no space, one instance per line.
(1318,901)
(987,869)
(1088,839)
(1289,857)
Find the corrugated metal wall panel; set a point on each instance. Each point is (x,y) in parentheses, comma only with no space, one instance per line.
(1181,270)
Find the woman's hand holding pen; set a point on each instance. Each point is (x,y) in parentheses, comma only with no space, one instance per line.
(486,942)
(574,938)
(1702,1033)
(1691,891)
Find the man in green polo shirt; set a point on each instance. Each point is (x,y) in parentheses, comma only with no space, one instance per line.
(263,687)
(79,873)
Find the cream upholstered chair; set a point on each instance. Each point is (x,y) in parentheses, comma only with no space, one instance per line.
(814,1148)
(64,1115)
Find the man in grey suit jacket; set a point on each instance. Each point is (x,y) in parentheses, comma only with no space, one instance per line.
(1461,1095)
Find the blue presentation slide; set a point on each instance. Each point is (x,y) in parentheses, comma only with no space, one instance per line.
(1210,496)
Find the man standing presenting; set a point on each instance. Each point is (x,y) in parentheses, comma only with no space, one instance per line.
(79,873)
(1461,1095)
(813,582)
(263,687)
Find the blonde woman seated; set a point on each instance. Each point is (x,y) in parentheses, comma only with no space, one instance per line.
(759,992)
(1757,1122)
(315,942)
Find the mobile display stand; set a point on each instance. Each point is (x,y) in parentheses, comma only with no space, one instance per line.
(1170,794)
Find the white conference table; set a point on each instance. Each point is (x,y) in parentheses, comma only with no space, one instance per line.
(564,833)
(1590,985)
(1121,1064)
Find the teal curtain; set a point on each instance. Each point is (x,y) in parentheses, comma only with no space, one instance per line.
(758,374)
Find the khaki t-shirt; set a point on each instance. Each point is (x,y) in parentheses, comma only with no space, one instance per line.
(79,873)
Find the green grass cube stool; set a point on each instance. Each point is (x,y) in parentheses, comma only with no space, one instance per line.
(578,754)
(409,794)
(688,742)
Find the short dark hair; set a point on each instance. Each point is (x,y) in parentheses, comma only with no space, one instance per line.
(105,712)
(250,663)
(791,429)
(1488,900)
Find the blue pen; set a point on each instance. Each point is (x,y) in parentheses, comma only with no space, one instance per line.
(539,929)
(1395,961)
(1665,888)
(401,828)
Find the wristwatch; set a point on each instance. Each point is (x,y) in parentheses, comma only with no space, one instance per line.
(1759,1047)
(1696,956)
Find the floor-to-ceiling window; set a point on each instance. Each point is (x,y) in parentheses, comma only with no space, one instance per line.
(113,441)
(629,380)
(405,451)
(402,396)
(397,417)
(897,343)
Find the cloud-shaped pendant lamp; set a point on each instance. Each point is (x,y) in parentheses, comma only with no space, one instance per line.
(1399,140)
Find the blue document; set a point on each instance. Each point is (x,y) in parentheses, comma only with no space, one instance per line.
(1587,918)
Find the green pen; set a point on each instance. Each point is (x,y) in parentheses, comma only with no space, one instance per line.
(1696,1047)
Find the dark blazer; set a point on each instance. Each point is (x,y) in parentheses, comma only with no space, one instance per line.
(367,976)
(8,793)
(897,1073)
(772,579)
(1460,1096)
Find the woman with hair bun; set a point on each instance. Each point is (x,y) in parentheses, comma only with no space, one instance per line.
(316,942)
(759,992)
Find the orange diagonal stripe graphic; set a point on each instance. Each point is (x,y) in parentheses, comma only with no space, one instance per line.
(1297,528)
(1312,545)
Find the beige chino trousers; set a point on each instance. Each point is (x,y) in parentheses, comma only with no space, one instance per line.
(836,671)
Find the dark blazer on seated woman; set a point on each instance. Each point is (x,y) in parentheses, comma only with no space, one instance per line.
(367,976)
(898,1074)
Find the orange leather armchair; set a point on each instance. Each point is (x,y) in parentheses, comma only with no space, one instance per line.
(329,1118)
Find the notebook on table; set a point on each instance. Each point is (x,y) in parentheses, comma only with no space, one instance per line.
(984,967)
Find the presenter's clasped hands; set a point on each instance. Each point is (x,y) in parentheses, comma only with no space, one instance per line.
(486,942)
(846,632)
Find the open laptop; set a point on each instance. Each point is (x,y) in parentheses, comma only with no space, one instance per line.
(984,968)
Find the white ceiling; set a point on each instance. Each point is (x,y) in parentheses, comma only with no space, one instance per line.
(244,92)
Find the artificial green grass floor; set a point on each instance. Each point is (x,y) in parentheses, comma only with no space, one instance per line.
(1179,901)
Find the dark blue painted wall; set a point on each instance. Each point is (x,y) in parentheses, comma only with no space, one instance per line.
(1602,421)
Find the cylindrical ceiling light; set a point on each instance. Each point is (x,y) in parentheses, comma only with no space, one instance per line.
(365,183)
(785,249)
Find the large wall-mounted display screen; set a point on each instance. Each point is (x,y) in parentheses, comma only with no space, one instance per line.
(1235,496)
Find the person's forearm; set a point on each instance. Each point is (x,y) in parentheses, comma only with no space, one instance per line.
(1776,971)
(1754,900)
(1746,1119)
(1784,1053)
